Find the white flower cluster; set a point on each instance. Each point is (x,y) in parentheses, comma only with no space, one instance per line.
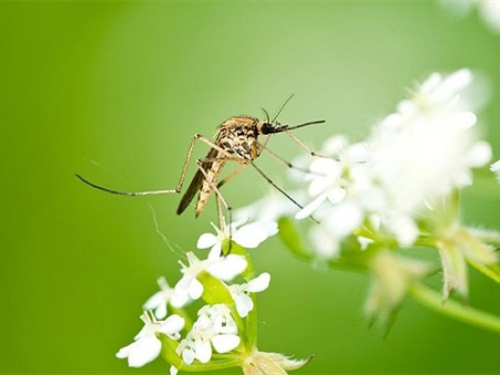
(488,10)
(397,189)
(413,159)
(215,327)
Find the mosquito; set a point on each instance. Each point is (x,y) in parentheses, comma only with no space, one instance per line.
(236,140)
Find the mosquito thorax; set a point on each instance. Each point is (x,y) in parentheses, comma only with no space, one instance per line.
(238,136)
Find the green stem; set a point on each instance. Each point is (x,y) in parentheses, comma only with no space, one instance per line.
(211,366)
(249,330)
(491,271)
(453,309)
(251,321)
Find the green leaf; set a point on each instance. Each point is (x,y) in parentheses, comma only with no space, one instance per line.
(290,236)
(214,290)
(352,258)
(168,347)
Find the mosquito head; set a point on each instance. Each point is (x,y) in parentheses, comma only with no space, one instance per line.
(266,127)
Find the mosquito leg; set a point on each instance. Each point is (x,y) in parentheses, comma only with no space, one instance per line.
(208,142)
(231,175)
(222,183)
(128,193)
(264,145)
(303,145)
(178,189)
(283,161)
(271,182)
(186,164)
(222,224)
(150,192)
(219,212)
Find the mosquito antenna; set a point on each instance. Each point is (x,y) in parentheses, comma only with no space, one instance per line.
(267,114)
(281,108)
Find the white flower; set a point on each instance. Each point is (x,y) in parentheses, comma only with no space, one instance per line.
(214,327)
(426,150)
(244,303)
(495,168)
(147,346)
(344,185)
(248,236)
(326,184)
(224,268)
(337,180)
(158,301)
(344,193)
(488,10)
(413,159)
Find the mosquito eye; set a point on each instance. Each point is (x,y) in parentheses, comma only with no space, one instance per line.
(266,128)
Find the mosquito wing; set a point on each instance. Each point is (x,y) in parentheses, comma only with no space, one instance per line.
(196,182)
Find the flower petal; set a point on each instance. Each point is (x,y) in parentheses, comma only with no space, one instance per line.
(311,207)
(260,283)
(251,235)
(206,240)
(195,289)
(495,167)
(173,324)
(347,217)
(479,154)
(161,311)
(336,194)
(225,343)
(244,304)
(154,301)
(188,356)
(203,351)
(144,351)
(216,251)
(227,268)
(125,351)
(404,228)
(179,299)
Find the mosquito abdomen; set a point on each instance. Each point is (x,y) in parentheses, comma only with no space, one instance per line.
(208,184)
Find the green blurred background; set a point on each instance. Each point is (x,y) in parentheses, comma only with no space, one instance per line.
(115,91)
